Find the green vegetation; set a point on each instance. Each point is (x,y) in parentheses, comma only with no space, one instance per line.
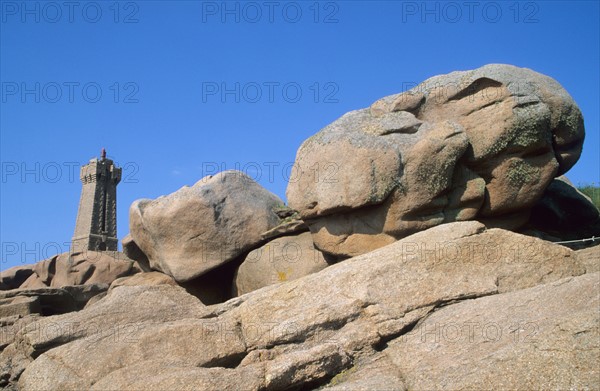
(592,191)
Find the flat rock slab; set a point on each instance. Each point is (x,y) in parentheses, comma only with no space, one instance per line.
(293,335)
(51,301)
(20,306)
(546,337)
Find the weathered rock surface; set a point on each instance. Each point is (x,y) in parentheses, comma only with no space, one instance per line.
(118,319)
(546,337)
(376,372)
(58,285)
(144,279)
(589,258)
(10,325)
(481,144)
(19,306)
(461,304)
(198,228)
(15,276)
(89,267)
(283,259)
(303,333)
(48,301)
(132,251)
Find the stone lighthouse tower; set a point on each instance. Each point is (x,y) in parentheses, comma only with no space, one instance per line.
(96,227)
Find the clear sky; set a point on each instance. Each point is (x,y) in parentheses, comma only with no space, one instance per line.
(176,90)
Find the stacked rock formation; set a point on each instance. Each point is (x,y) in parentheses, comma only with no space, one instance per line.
(396,264)
(482,144)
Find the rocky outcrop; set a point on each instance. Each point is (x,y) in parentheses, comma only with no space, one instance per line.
(14,277)
(49,301)
(319,329)
(519,340)
(144,279)
(19,306)
(590,258)
(116,319)
(481,144)
(66,269)
(58,285)
(196,229)
(414,194)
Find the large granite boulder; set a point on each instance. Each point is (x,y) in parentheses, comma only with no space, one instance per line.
(481,144)
(283,259)
(196,229)
(333,327)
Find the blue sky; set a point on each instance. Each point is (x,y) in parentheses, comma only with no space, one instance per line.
(176,90)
